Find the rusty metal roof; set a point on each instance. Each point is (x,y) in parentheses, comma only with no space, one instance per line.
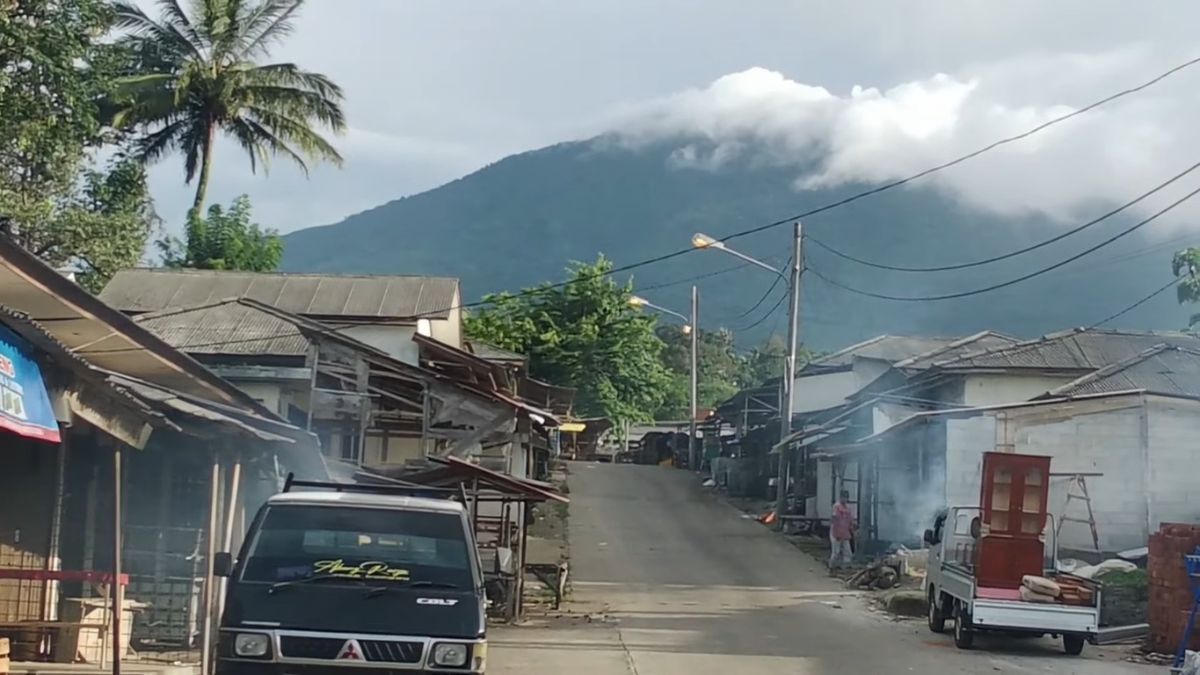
(1162,369)
(890,348)
(1078,349)
(226,327)
(376,297)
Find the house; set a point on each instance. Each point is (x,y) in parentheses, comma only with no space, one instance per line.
(101,417)
(382,311)
(367,407)
(1117,411)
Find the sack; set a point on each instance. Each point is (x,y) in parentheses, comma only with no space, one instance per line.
(1041,585)
(1033,596)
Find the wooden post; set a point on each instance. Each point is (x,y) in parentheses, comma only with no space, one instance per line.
(115,586)
(206,641)
(53,562)
(227,545)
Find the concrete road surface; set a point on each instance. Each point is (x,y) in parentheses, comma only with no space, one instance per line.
(675,582)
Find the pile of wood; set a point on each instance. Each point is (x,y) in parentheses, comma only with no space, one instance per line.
(1170,593)
(882,574)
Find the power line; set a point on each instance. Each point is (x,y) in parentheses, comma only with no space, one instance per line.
(764,317)
(858,196)
(1026,277)
(1139,303)
(1012,254)
(968,156)
(764,297)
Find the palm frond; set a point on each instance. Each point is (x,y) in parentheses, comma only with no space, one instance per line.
(192,143)
(182,21)
(267,23)
(269,143)
(251,141)
(164,37)
(144,100)
(296,103)
(290,75)
(297,133)
(151,147)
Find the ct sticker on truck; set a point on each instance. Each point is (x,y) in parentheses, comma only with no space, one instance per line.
(441,602)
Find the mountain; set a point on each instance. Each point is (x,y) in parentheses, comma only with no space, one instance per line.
(519,221)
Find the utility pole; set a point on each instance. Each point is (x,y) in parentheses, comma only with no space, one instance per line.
(693,455)
(789,379)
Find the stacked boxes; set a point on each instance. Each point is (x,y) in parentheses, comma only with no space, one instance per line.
(1170,593)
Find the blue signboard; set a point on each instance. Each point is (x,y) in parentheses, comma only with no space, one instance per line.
(24,404)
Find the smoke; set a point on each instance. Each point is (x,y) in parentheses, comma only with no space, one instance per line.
(872,135)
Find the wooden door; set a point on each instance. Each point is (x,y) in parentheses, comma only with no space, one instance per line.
(1015,492)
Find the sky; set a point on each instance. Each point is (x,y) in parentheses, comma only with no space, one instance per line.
(436,89)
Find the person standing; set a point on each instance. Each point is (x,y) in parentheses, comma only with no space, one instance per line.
(841,531)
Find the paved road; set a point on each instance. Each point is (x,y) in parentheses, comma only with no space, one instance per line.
(680,583)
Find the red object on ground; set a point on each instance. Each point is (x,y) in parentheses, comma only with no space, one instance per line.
(1170,592)
(1014,492)
(90,576)
(767,518)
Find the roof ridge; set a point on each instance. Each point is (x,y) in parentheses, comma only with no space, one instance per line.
(975,337)
(321,275)
(1110,369)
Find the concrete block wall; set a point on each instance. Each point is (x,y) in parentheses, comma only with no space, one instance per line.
(1109,443)
(1104,442)
(1173,430)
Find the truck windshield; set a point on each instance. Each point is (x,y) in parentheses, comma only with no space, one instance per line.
(360,545)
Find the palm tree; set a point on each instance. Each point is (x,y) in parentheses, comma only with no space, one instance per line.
(194,75)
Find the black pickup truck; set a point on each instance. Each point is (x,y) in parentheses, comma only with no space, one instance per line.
(352,581)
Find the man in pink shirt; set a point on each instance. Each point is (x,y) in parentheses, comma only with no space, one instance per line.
(841,531)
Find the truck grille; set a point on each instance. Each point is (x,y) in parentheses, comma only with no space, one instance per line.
(391,652)
(376,651)
(296,647)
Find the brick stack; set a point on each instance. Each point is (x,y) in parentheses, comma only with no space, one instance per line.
(1170,593)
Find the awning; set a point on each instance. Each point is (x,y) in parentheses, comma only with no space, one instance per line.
(455,471)
(24,404)
(806,437)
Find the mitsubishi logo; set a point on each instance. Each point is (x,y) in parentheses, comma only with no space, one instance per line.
(350,651)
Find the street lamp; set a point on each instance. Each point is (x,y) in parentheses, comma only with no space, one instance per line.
(692,329)
(703,241)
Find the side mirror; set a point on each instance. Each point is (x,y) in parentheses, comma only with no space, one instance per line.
(929,537)
(223,564)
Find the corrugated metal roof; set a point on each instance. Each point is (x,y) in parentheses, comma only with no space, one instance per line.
(1162,369)
(982,341)
(890,348)
(491,352)
(1077,349)
(227,327)
(393,297)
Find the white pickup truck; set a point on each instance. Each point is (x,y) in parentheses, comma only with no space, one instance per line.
(953,593)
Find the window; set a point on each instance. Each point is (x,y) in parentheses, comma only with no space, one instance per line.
(360,544)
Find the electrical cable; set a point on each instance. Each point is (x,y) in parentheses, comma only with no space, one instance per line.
(860,195)
(1139,303)
(1012,254)
(1025,277)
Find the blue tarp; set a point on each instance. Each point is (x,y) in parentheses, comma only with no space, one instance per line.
(24,404)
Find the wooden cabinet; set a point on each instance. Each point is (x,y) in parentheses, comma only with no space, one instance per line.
(1014,495)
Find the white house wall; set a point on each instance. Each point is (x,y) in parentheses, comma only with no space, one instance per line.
(995,389)
(1107,442)
(821,392)
(396,340)
(1173,429)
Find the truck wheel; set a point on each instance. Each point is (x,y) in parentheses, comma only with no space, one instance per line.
(964,636)
(937,620)
(1073,644)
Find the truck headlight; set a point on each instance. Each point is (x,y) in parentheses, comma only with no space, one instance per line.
(450,655)
(251,644)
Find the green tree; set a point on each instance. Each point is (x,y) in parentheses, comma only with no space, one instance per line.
(766,361)
(1187,291)
(226,240)
(583,335)
(719,373)
(55,71)
(194,74)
